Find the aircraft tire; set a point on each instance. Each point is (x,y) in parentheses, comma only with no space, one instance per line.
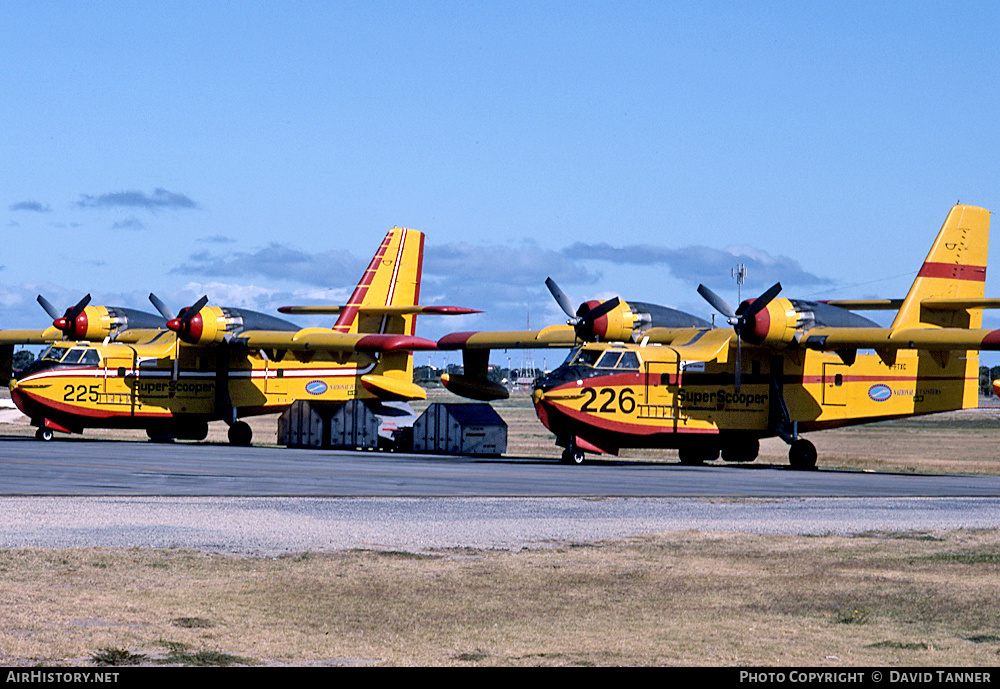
(240,434)
(695,455)
(802,455)
(45,434)
(746,451)
(572,455)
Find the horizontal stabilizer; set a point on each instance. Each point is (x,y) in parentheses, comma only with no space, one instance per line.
(865,304)
(938,303)
(380,310)
(938,339)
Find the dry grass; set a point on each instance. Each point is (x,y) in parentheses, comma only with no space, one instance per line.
(677,599)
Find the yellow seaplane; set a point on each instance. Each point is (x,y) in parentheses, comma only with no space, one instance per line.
(111,367)
(782,367)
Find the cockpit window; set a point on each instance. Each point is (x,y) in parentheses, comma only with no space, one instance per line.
(609,359)
(91,357)
(587,357)
(73,356)
(53,353)
(629,360)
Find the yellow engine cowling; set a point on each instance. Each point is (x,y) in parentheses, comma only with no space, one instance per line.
(617,325)
(93,323)
(774,324)
(210,325)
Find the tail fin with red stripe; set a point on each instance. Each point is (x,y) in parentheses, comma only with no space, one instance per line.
(955,268)
(391,280)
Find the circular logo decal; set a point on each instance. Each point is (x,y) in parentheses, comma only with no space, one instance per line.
(315,387)
(880,392)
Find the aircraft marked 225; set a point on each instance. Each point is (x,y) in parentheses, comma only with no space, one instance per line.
(112,367)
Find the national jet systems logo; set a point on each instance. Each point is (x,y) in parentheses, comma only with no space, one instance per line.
(880,392)
(315,387)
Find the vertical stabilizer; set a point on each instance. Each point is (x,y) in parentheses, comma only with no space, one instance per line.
(392,279)
(955,268)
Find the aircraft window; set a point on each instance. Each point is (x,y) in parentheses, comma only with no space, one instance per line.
(588,357)
(572,355)
(91,358)
(609,360)
(53,353)
(73,357)
(629,360)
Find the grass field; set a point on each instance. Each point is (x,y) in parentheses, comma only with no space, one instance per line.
(686,598)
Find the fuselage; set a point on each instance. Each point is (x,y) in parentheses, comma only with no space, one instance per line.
(608,396)
(73,386)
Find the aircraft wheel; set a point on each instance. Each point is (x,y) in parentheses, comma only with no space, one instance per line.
(240,434)
(44,434)
(572,455)
(742,452)
(802,454)
(158,436)
(692,456)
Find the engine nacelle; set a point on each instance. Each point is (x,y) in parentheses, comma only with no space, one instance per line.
(209,326)
(776,323)
(617,325)
(783,319)
(627,321)
(97,323)
(215,324)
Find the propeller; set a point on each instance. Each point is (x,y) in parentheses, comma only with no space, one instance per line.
(181,324)
(67,319)
(164,310)
(583,320)
(177,324)
(739,319)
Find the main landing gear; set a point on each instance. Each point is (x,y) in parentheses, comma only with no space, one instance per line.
(240,434)
(572,454)
(802,454)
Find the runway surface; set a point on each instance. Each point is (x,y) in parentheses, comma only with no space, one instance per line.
(80,493)
(87,467)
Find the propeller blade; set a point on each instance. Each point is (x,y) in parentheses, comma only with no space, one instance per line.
(564,303)
(72,313)
(716,301)
(599,310)
(49,308)
(739,363)
(193,310)
(761,302)
(161,307)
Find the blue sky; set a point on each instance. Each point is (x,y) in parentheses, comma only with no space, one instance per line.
(258,152)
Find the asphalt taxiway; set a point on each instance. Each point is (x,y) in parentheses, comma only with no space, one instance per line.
(84,493)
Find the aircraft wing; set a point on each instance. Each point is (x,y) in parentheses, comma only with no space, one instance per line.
(324,340)
(553,336)
(30,337)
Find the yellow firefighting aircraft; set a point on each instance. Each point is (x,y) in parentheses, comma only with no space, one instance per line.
(108,367)
(785,366)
